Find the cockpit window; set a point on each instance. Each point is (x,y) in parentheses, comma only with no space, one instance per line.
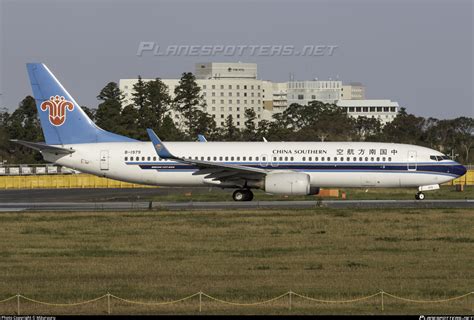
(440,158)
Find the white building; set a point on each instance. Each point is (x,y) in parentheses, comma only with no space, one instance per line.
(228,89)
(353,91)
(303,92)
(231,88)
(384,110)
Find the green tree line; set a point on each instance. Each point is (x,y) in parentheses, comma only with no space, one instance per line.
(317,121)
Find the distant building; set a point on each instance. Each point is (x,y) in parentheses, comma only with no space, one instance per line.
(228,89)
(231,88)
(303,92)
(384,110)
(353,91)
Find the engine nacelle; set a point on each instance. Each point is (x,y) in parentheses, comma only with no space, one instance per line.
(289,183)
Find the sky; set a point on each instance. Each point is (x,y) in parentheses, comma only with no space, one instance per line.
(418,53)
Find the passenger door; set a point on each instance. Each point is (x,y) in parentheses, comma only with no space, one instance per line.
(411,164)
(104,160)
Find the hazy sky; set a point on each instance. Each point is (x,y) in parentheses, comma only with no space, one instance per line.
(419,53)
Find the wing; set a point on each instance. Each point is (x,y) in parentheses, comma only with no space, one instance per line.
(211,170)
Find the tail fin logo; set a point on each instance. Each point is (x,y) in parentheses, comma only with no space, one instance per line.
(57,107)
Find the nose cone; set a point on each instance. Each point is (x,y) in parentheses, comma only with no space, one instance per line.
(459,170)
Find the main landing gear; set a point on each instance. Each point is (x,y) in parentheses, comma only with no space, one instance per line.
(243,195)
(420,196)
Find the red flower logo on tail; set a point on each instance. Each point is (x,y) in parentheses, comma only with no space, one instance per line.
(57,109)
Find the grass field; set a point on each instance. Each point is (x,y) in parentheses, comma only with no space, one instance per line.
(215,194)
(243,256)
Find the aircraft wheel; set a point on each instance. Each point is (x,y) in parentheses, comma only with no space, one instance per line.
(239,195)
(420,196)
(249,195)
(243,195)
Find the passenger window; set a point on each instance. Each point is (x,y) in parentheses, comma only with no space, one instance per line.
(226,158)
(208,158)
(322,158)
(348,159)
(126,158)
(335,158)
(383,159)
(303,159)
(360,158)
(143,158)
(342,158)
(371,158)
(154,158)
(389,159)
(220,158)
(315,158)
(366,158)
(286,158)
(238,158)
(256,158)
(281,158)
(231,158)
(291,159)
(148,159)
(354,159)
(244,158)
(264,159)
(215,158)
(250,158)
(274,158)
(378,159)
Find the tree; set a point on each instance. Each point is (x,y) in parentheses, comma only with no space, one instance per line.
(464,135)
(23,124)
(89,112)
(405,128)
(139,93)
(249,133)
(188,102)
(108,112)
(367,128)
(158,100)
(231,132)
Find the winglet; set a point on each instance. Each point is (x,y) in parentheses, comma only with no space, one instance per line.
(160,148)
(201,138)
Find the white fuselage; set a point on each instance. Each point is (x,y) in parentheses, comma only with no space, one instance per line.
(329,164)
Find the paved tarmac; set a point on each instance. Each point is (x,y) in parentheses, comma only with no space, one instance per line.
(144,205)
(141,199)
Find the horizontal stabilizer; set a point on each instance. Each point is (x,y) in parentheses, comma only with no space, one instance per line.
(44,147)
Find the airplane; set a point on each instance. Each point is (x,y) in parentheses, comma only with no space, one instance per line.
(290,168)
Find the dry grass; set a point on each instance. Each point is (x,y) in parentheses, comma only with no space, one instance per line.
(242,256)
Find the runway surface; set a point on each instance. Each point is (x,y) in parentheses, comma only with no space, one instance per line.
(142,199)
(143,205)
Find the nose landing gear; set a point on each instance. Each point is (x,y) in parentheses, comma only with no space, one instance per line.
(242,195)
(420,196)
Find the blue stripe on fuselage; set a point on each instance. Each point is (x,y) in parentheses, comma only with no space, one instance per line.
(451,169)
